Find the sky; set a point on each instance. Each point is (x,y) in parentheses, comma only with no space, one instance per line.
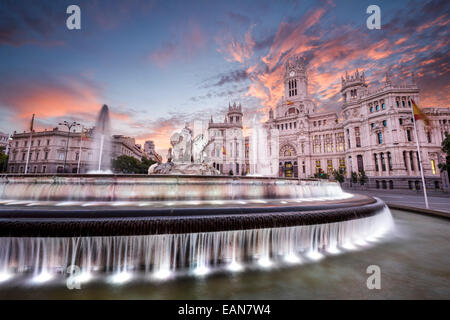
(159,64)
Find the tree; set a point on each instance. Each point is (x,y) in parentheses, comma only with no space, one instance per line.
(230,172)
(126,164)
(3,162)
(362,177)
(446,149)
(354,177)
(145,164)
(338,176)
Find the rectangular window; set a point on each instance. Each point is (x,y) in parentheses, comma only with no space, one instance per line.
(342,165)
(418,160)
(318,166)
(411,160)
(389,161)
(408,135)
(380,137)
(358,138)
(316,144)
(329,166)
(404,159)
(328,143)
(383,162)
(340,142)
(433,166)
(375,159)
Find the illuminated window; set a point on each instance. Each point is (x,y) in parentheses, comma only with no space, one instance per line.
(340,141)
(318,166)
(342,165)
(316,144)
(433,166)
(329,166)
(328,143)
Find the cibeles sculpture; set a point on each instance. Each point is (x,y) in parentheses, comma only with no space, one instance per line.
(187,156)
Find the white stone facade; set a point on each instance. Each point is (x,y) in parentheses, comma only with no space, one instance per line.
(228,151)
(48,151)
(376,133)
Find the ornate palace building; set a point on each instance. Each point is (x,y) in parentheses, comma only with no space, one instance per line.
(376,133)
(227,151)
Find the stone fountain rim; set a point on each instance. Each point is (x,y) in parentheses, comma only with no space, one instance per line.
(153,225)
(150,176)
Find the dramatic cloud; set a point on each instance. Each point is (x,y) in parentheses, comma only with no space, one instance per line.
(34,23)
(184,46)
(52,99)
(330,53)
(234,49)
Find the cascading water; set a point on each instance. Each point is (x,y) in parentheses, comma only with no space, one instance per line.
(161,226)
(167,255)
(102,142)
(260,162)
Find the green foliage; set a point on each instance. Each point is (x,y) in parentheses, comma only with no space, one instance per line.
(145,164)
(446,149)
(230,172)
(130,165)
(338,176)
(362,177)
(3,162)
(321,174)
(354,177)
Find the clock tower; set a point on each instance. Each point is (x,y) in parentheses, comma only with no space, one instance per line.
(295,79)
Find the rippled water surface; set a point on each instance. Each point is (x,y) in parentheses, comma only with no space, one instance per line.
(415,263)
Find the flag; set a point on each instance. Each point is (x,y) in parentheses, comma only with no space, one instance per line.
(83,135)
(418,114)
(224,152)
(289,102)
(32,123)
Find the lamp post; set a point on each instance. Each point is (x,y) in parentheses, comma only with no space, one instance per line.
(69,126)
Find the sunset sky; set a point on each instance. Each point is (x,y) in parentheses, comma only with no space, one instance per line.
(157,64)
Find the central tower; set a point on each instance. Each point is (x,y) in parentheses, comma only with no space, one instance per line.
(295,78)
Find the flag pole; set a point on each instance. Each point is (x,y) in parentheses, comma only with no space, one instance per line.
(420,159)
(79,153)
(29,144)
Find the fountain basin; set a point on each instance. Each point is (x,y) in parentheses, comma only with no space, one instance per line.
(94,187)
(161,225)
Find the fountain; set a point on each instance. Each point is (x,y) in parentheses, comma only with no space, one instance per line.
(102,143)
(263,150)
(189,222)
(188,156)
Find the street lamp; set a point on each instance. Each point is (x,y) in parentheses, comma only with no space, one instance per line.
(69,126)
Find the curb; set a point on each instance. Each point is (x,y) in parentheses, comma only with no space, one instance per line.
(428,212)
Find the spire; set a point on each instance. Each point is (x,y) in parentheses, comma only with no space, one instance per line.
(388,80)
